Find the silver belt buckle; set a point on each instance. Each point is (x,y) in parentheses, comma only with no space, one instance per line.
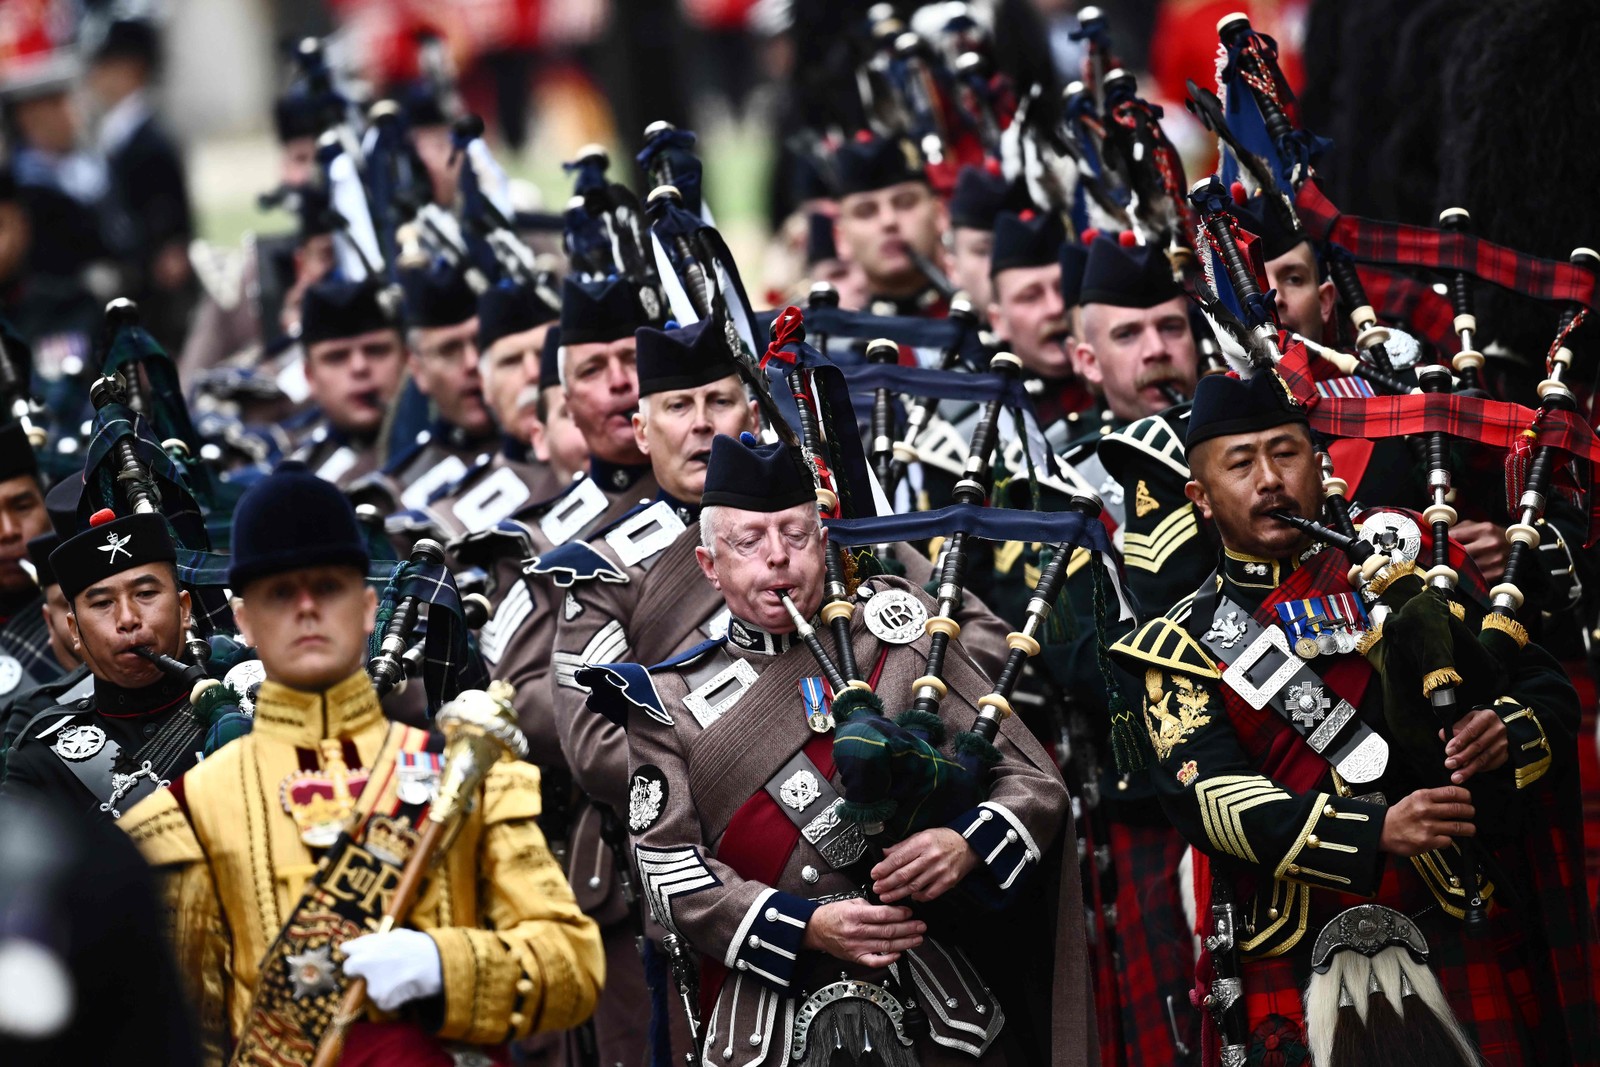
(1258,696)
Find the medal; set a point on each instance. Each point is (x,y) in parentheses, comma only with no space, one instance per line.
(818,715)
(1327,645)
(10,673)
(895,616)
(417,777)
(1306,648)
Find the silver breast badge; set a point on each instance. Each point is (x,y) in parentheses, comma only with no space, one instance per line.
(895,616)
(78,743)
(10,673)
(800,790)
(245,678)
(1393,533)
(312,972)
(1226,631)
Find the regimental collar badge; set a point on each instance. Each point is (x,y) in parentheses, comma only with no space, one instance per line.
(115,543)
(753,639)
(895,616)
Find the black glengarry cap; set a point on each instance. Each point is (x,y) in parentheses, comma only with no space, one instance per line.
(754,477)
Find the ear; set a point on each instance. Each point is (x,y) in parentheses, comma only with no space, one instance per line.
(1085,363)
(992,313)
(241,619)
(755,418)
(369,609)
(1197,496)
(185,609)
(1325,302)
(640,441)
(539,442)
(72,629)
(414,368)
(707,567)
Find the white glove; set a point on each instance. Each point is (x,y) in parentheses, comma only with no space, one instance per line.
(398,966)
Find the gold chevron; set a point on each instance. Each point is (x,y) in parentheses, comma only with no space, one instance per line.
(1150,551)
(1223,801)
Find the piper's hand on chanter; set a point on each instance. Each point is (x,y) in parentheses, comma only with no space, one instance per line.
(1426,820)
(1478,743)
(870,934)
(924,866)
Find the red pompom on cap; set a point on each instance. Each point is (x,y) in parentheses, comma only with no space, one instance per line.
(1127,238)
(992,165)
(101,517)
(863,137)
(1237,191)
(1026,214)
(1089,235)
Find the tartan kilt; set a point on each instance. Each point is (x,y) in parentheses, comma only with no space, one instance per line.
(1496,984)
(1154,947)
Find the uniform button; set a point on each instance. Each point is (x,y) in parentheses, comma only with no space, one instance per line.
(809,875)
(772,915)
(149,729)
(83,705)
(1313,841)
(594,883)
(983,1009)
(1329,811)
(1293,868)
(1011,836)
(755,1039)
(524,987)
(1272,913)
(742,965)
(517,1019)
(755,942)
(985,814)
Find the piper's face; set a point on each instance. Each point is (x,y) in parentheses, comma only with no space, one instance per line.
(352,379)
(1239,478)
(758,554)
(511,380)
(1304,305)
(675,429)
(141,606)
(879,229)
(1130,353)
(22,518)
(969,263)
(1029,313)
(445,366)
(557,440)
(603,394)
(310,626)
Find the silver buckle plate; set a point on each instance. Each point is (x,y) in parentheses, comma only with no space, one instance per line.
(1257,696)
(584,503)
(720,692)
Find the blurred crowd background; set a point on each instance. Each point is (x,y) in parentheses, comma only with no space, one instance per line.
(78,202)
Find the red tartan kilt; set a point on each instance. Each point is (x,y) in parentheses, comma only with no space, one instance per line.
(1487,980)
(1155,952)
(399,1044)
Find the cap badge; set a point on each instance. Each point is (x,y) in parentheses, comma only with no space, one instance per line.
(115,543)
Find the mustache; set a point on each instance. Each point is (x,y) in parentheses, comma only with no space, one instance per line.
(1161,374)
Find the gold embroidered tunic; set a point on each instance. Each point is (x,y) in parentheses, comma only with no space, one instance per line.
(518,955)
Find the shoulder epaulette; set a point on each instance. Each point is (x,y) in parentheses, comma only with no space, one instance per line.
(398,461)
(690,656)
(616,690)
(575,561)
(1164,643)
(1150,439)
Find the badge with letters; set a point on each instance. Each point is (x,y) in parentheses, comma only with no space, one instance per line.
(895,616)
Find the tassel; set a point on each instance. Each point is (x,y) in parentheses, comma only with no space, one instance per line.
(926,723)
(1439,679)
(858,1034)
(1349,1037)
(1387,1040)
(1432,1030)
(1327,1022)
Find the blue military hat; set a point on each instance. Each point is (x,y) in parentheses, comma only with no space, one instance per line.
(754,477)
(1026,239)
(1136,277)
(1277,236)
(980,195)
(506,308)
(867,162)
(1074,259)
(599,312)
(291,520)
(437,295)
(1225,405)
(110,546)
(17,458)
(681,358)
(296,114)
(333,309)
